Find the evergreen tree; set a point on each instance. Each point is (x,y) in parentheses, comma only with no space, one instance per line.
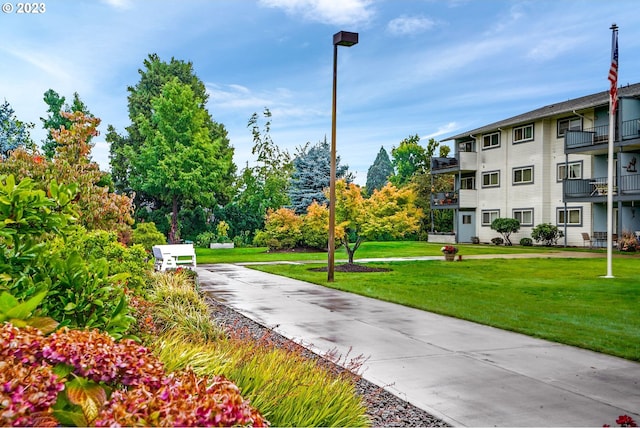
(56,120)
(13,133)
(379,173)
(311,175)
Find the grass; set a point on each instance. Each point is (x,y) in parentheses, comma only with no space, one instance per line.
(562,300)
(366,250)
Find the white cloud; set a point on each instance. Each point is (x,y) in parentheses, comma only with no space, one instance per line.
(119,4)
(326,11)
(407,25)
(442,130)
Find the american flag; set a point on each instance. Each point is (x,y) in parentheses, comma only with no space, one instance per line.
(613,71)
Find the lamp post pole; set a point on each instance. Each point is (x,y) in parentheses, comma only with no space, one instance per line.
(342,38)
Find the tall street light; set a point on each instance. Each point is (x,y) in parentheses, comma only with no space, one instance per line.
(342,38)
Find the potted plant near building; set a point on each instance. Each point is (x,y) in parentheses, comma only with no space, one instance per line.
(449,252)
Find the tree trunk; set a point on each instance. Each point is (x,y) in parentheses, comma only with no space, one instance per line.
(174,237)
(351,251)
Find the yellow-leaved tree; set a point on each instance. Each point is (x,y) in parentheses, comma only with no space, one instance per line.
(389,212)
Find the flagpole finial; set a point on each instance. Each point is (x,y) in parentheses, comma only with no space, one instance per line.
(614,27)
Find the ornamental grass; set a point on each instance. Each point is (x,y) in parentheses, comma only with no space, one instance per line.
(287,388)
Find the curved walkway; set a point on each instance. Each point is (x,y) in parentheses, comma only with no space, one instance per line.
(464,373)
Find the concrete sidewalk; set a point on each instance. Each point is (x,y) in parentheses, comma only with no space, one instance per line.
(464,373)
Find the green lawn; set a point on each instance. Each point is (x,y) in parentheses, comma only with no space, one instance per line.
(563,300)
(366,250)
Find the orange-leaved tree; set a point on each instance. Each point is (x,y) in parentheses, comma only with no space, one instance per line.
(98,207)
(389,211)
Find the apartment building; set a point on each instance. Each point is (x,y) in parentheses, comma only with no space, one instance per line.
(547,166)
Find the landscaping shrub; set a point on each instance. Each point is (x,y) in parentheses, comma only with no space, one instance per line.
(506,226)
(628,242)
(147,235)
(66,378)
(497,241)
(526,242)
(547,233)
(81,292)
(282,230)
(315,227)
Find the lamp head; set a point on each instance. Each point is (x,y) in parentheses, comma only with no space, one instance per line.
(345,38)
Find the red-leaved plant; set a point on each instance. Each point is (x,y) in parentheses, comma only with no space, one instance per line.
(624,421)
(66,378)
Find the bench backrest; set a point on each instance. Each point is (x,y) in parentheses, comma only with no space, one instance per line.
(173,250)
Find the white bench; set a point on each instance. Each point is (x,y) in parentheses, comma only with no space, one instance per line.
(174,256)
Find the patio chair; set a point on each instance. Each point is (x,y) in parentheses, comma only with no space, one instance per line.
(586,238)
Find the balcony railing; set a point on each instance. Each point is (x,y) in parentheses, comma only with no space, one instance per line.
(594,187)
(462,161)
(586,137)
(630,129)
(444,199)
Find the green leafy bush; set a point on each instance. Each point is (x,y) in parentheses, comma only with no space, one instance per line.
(497,241)
(526,242)
(147,235)
(81,292)
(547,233)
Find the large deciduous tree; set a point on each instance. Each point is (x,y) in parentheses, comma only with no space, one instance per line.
(178,160)
(311,175)
(409,159)
(13,133)
(389,211)
(379,172)
(155,74)
(260,187)
(56,119)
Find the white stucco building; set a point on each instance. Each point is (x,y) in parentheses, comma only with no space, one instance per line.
(547,166)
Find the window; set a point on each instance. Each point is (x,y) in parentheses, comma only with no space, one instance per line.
(523,175)
(573,216)
(524,216)
(491,141)
(488,216)
(569,124)
(574,168)
(466,219)
(491,179)
(523,133)
(467,146)
(468,183)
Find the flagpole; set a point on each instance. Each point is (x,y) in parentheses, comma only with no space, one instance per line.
(613,102)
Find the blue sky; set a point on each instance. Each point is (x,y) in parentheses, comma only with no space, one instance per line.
(428,67)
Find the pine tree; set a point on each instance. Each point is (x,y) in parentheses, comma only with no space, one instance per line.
(311,175)
(13,133)
(379,173)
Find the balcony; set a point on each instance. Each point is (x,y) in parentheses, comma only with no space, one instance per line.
(463,198)
(595,140)
(626,188)
(461,162)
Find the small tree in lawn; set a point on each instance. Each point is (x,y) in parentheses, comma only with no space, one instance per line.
(547,233)
(505,227)
(390,211)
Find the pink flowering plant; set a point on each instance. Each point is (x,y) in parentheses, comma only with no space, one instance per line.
(85,377)
(449,249)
